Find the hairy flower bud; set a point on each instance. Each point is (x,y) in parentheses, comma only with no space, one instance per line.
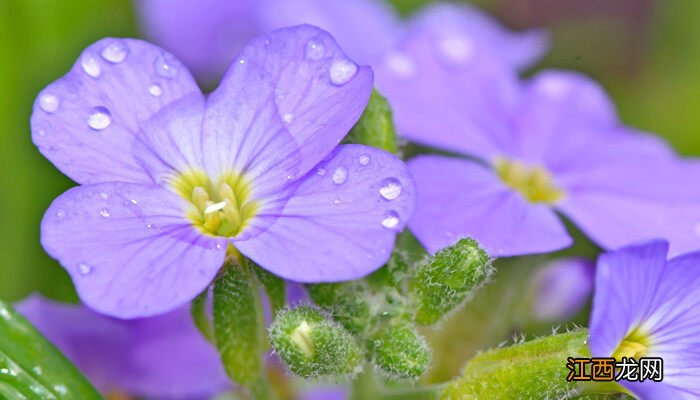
(310,345)
(446,279)
(400,351)
(346,302)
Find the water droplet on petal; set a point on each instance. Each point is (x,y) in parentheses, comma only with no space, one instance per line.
(457,49)
(364,160)
(241,61)
(340,175)
(134,201)
(84,269)
(165,68)
(400,64)
(288,118)
(48,102)
(342,71)
(104,213)
(41,132)
(61,214)
(115,52)
(104,196)
(99,118)
(321,172)
(336,201)
(391,220)
(91,66)
(391,189)
(155,90)
(315,50)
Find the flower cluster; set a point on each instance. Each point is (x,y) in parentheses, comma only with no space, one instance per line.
(176,187)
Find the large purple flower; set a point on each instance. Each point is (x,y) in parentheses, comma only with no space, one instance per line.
(207,34)
(172,178)
(646,306)
(553,144)
(163,357)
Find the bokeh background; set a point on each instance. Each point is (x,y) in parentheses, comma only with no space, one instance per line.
(645,52)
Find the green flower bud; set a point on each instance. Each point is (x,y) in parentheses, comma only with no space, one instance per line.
(448,278)
(346,302)
(310,345)
(393,274)
(376,125)
(400,351)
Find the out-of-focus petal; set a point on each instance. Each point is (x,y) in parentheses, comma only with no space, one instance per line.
(519,49)
(160,357)
(129,248)
(625,283)
(285,103)
(205,34)
(460,198)
(363,28)
(85,123)
(341,222)
(450,93)
(561,288)
(324,393)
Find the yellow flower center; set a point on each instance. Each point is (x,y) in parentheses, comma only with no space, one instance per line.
(534,183)
(635,344)
(221,208)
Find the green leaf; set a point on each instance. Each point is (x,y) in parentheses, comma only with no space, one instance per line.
(376,126)
(448,278)
(32,368)
(531,370)
(274,287)
(239,325)
(200,315)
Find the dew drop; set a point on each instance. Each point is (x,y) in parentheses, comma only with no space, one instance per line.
(115,52)
(91,66)
(61,214)
(391,189)
(104,213)
(391,220)
(315,50)
(164,68)
(457,49)
(364,160)
(84,269)
(134,201)
(99,118)
(340,175)
(400,64)
(48,102)
(41,132)
(104,196)
(336,201)
(155,90)
(241,61)
(320,172)
(342,71)
(37,370)
(288,118)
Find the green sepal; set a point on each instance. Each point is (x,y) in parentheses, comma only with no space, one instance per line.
(311,345)
(376,126)
(531,370)
(274,286)
(400,351)
(447,279)
(32,368)
(239,325)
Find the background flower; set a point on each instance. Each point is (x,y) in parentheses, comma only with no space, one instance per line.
(561,288)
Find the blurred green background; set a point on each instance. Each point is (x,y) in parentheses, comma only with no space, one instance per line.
(646,53)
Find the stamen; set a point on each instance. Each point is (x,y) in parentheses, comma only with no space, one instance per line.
(213,207)
(200,197)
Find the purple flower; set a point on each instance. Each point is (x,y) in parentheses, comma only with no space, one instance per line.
(207,34)
(172,178)
(561,288)
(163,357)
(551,144)
(646,306)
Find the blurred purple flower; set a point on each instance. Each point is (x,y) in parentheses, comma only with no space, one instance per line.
(170,177)
(552,144)
(561,288)
(162,357)
(207,34)
(645,306)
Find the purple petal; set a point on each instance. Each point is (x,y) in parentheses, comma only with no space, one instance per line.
(341,222)
(562,288)
(325,393)
(129,248)
(363,28)
(205,34)
(450,94)
(625,283)
(162,357)
(459,198)
(519,49)
(286,102)
(85,122)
